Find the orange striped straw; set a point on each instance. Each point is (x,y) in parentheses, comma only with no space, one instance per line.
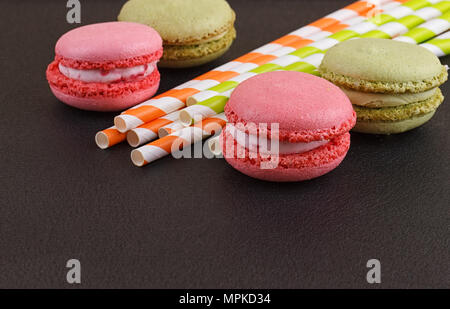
(109,137)
(178,140)
(170,128)
(149,131)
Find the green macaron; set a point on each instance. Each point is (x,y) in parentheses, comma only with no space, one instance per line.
(194,32)
(396,119)
(392,85)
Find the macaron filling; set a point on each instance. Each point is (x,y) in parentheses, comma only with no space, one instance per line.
(260,144)
(399,113)
(375,100)
(130,74)
(80,89)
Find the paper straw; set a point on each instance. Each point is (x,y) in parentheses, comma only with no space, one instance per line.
(176,98)
(170,128)
(440,45)
(149,131)
(109,137)
(386,24)
(427,30)
(157,107)
(180,139)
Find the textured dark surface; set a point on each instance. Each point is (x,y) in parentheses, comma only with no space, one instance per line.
(197,223)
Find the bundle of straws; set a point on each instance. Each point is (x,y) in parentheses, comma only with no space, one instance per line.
(194,110)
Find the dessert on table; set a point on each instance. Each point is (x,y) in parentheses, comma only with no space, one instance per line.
(312,119)
(393,86)
(106,67)
(194,31)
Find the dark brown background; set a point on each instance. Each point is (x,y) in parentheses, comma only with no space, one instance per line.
(198,223)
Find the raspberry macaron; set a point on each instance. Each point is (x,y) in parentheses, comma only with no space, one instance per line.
(287,126)
(107,66)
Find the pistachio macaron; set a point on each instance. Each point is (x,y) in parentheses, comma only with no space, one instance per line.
(194,32)
(392,85)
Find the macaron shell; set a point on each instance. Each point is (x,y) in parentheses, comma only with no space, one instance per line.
(386,87)
(293,167)
(306,107)
(105,104)
(181,21)
(392,127)
(381,60)
(111,41)
(188,63)
(284,175)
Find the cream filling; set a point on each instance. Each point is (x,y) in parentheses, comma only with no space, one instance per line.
(375,100)
(115,75)
(217,37)
(270,146)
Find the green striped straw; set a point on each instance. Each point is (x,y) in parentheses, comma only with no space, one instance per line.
(440,46)
(427,30)
(308,58)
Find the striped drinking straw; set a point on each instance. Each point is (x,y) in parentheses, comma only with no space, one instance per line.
(426,31)
(173,142)
(397,22)
(109,137)
(149,131)
(440,46)
(170,128)
(175,99)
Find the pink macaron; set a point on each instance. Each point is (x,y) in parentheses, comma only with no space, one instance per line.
(287,126)
(106,67)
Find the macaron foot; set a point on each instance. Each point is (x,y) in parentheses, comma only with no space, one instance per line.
(189,63)
(176,56)
(288,167)
(392,127)
(288,174)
